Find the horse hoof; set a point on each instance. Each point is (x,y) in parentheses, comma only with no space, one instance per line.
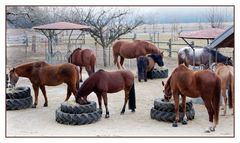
(207,131)
(106,116)
(175,124)
(184,122)
(45,105)
(212,129)
(133,110)
(34,106)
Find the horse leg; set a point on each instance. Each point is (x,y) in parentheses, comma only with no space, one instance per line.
(121,62)
(223,92)
(89,71)
(80,74)
(35,88)
(184,121)
(99,102)
(176,102)
(44,95)
(125,101)
(68,93)
(104,95)
(209,107)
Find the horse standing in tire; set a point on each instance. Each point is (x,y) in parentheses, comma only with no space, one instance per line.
(186,82)
(103,82)
(41,74)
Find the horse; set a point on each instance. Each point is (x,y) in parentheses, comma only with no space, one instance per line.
(146,64)
(185,55)
(205,84)
(227,81)
(83,58)
(103,82)
(132,49)
(41,73)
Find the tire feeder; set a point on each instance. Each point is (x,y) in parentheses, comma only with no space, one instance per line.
(18,98)
(165,111)
(72,113)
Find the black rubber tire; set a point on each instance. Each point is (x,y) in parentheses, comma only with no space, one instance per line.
(16,104)
(18,93)
(77,119)
(76,108)
(169,106)
(158,73)
(170,116)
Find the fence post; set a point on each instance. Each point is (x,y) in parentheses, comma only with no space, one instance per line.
(34,43)
(170,48)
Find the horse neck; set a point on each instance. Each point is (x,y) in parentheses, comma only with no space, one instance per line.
(23,70)
(152,49)
(87,87)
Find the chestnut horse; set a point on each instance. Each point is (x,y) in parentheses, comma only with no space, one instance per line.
(132,49)
(227,82)
(41,74)
(146,64)
(83,58)
(205,84)
(103,82)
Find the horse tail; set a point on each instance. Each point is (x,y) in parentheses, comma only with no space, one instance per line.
(132,98)
(115,50)
(180,60)
(93,62)
(216,99)
(70,59)
(78,78)
(230,92)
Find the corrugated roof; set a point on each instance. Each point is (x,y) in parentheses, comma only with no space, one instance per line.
(202,34)
(225,39)
(61,26)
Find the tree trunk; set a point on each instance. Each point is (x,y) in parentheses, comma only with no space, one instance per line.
(104,56)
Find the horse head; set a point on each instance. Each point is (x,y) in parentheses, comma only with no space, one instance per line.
(229,61)
(13,77)
(157,59)
(80,99)
(167,91)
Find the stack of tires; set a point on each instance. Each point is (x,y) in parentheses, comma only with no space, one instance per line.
(18,98)
(165,111)
(72,113)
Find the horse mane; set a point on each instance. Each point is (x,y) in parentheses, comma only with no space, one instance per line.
(219,55)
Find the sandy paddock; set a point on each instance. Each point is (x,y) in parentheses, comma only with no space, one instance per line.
(41,121)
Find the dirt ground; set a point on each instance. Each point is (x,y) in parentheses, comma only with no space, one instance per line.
(41,122)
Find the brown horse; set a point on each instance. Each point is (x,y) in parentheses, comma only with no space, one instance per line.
(227,81)
(83,58)
(132,49)
(103,82)
(41,74)
(204,84)
(146,64)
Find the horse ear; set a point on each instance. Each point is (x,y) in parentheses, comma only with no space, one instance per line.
(163,83)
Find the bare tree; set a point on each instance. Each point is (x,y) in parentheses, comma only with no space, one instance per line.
(216,17)
(109,24)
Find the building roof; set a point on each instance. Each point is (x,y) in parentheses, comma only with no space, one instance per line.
(202,34)
(61,26)
(225,39)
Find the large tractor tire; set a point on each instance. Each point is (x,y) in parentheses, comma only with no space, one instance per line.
(71,113)
(18,98)
(169,106)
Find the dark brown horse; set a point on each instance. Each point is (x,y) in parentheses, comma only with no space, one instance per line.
(227,82)
(205,84)
(146,64)
(103,82)
(42,73)
(83,58)
(132,49)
